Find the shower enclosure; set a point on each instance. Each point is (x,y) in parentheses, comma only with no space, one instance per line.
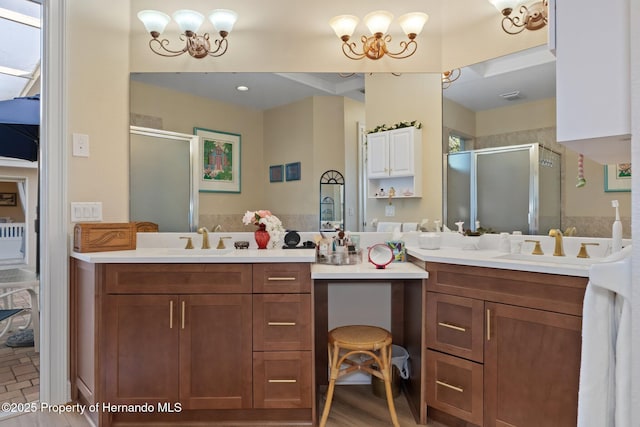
(513,188)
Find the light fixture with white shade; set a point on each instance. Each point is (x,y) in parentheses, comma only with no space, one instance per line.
(189,22)
(531,17)
(375,46)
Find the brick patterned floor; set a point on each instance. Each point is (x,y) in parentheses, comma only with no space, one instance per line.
(19,366)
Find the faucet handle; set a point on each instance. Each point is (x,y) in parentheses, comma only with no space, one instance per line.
(221,242)
(583,249)
(537,250)
(189,242)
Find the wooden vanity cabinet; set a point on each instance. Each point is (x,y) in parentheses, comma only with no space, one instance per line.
(503,347)
(227,342)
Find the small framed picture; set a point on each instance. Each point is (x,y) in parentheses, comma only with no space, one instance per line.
(617,177)
(8,199)
(219,168)
(276,173)
(293,171)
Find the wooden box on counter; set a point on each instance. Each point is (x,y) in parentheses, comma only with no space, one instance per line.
(108,236)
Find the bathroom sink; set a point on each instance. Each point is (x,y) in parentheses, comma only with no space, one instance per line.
(199,252)
(562,260)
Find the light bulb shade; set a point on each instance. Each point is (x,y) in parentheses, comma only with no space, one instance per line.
(223,19)
(188,20)
(153,20)
(412,23)
(344,25)
(378,21)
(504,4)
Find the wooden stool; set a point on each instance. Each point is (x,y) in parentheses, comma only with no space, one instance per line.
(360,339)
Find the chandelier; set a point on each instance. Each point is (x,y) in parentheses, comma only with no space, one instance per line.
(375,46)
(189,21)
(532,17)
(449,77)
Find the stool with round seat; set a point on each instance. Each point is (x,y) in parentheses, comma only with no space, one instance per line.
(345,341)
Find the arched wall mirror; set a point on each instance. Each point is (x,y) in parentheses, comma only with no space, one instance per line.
(331,201)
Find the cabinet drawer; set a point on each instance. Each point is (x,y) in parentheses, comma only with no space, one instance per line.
(280,278)
(282,379)
(281,322)
(178,278)
(455,325)
(454,385)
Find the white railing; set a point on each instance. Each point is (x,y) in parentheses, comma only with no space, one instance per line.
(11,240)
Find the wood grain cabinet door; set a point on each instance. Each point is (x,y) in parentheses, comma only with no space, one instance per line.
(455,325)
(215,351)
(141,349)
(532,365)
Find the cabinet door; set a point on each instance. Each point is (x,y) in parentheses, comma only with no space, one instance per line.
(378,155)
(282,379)
(532,364)
(401,153)
(141,349)
(215,351)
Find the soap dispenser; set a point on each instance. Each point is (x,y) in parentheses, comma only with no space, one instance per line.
(616,231)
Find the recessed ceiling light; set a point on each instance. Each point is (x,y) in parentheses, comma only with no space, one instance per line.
(242,88)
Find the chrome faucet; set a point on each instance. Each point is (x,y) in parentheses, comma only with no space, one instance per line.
(558,250)
(205,237)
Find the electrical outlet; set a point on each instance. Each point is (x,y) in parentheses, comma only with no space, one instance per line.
(390,210)
(80,145)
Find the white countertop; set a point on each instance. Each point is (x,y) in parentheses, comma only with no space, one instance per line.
(367,271)
(175,256)
(152,249)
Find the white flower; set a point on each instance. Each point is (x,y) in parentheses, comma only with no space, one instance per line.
(272,223)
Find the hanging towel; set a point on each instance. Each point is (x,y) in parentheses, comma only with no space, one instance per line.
(605,369)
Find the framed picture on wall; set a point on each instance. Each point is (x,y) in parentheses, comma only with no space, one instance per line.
(293,171)
(617,177)
(8,199)
(276,173)
(219,161)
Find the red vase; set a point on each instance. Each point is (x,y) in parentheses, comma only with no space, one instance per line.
(262,236)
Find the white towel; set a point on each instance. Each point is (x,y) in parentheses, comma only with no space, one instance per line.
(605,371)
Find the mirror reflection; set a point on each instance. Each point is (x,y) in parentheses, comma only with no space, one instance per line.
(503,165)
(331,201)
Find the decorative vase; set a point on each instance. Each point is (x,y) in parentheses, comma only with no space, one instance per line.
(262,236)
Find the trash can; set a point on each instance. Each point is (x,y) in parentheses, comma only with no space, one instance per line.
(399,371)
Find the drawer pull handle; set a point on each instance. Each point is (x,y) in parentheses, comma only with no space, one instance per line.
(282,381)
(488,325)
(183,314)
(171,314)
(452,387)
(450,326)
(281,323)
(281,279)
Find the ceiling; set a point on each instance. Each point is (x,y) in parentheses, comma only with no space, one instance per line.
(19,47)
(530,73)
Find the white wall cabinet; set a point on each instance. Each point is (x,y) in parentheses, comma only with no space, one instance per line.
(593,78)
(393,161)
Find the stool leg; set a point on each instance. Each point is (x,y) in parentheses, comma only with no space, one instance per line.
(333,360)
(386,373)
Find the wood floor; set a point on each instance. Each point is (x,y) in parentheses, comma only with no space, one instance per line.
(353,406)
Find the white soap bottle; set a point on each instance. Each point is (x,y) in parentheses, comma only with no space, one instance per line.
(616,230)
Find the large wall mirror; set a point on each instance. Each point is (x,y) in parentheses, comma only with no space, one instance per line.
(498,131)
(308,119)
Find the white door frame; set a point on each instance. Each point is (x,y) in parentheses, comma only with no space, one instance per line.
(53,234)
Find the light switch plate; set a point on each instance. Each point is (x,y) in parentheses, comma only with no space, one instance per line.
(86,211)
